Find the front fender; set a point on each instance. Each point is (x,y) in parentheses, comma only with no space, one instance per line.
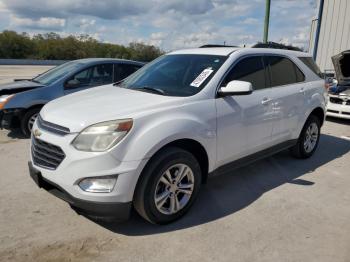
(37,96)
(148,137)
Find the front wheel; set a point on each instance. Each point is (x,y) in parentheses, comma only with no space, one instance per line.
(308,139)
(168,186)
(28,120)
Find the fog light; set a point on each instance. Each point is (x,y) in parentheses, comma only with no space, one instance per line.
(98,184)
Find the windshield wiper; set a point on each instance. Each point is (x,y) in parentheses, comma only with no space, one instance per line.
(118,82)
(35,81)
(152,89)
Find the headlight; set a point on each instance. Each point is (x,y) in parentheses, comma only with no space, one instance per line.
(4,100)
(102,136)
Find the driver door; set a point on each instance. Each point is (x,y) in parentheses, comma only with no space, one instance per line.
(244,122)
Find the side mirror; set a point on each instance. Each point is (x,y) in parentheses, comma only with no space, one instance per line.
(73,83)
(236,87)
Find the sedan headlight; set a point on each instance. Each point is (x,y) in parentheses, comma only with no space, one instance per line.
(102,136)
(4,99)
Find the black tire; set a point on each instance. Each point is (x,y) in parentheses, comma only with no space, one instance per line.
(299,150)
(26,131)
(144,198)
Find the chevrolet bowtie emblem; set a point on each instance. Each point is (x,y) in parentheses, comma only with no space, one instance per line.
(37,133)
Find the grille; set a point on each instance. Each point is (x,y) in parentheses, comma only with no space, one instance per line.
(51,127)
(46,155)
(333,111)
(335,100)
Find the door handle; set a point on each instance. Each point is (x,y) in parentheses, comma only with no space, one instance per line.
(302,90)
(266,101)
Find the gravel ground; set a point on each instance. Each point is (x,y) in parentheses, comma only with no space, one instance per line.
(277,209)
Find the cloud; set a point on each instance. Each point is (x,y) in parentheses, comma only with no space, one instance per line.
(170,24)
(48,23)
(107,9)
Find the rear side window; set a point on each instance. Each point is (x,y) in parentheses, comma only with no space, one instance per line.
(250,69)
(310,63)
(124,70)
(283,71)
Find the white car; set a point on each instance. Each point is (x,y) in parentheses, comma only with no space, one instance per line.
(339,95)
(150,142)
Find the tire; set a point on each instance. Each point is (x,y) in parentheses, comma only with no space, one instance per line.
(27,121)
(151,186)
(301,150)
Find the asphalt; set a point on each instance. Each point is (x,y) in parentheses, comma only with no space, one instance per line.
(277,209)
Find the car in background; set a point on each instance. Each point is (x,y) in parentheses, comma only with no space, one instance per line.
(21,101)
(339,94)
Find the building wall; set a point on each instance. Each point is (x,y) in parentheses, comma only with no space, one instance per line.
(334,33)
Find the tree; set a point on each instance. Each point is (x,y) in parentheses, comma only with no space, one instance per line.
(13,45)
(53,46)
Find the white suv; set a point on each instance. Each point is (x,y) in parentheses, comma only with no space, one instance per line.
(152,140)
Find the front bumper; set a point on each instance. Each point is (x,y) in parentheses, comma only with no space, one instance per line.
(118,211)
(338,110)
(78,165)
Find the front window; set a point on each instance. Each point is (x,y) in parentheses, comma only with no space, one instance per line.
(175,75)
(56,73)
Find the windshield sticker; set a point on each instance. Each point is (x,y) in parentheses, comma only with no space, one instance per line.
(202,77)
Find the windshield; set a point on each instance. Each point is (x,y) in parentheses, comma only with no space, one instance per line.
(175,75)
(57,72)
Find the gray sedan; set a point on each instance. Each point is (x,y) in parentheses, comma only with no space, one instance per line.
(21,101)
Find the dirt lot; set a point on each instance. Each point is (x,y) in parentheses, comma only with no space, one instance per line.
(277,209)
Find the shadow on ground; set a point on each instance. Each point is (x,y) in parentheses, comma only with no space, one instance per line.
(16,133)
(226,194)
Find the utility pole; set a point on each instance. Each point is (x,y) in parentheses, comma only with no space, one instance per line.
(267,21)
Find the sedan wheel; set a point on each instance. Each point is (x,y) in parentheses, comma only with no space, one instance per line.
(31,121)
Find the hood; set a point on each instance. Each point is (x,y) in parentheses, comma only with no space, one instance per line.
(341,64)
(18,86)
(99,104)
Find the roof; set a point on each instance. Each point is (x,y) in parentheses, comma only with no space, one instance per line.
(93,60)
(223,51)
(226,51)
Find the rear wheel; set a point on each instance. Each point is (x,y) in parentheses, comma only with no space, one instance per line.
(168,186)
(308,139)
(28,120)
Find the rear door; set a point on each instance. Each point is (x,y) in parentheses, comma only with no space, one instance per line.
(244,122)
(122,71)
(288,89)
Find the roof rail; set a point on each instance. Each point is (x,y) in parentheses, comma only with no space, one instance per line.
(274,45)
(209,46)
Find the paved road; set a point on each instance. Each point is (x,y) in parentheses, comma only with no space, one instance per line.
(8,73)
(278,209)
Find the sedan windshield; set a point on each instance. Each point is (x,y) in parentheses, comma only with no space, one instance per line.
(175,75)
(56,73)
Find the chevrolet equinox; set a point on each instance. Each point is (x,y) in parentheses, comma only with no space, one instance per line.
(149,142)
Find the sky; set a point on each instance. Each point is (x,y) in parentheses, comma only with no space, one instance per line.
(168,24)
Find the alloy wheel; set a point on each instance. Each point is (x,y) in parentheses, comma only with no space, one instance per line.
(311,137)
(174,189)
